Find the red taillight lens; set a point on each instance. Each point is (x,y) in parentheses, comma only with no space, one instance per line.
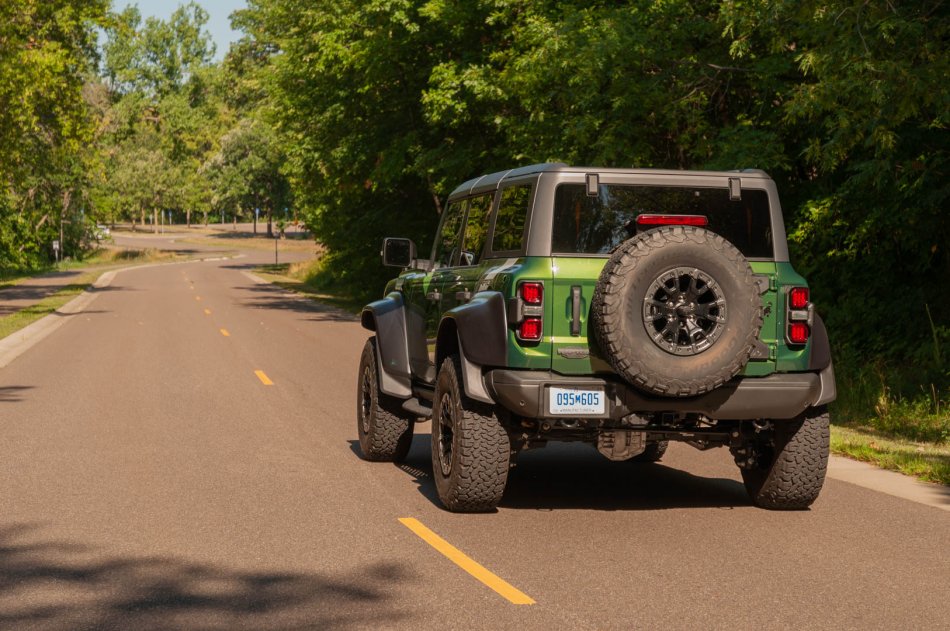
(798,297)
(532,293)
(798,332)
(530,329)
(672,220)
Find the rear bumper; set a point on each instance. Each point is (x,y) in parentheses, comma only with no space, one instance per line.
(778,396)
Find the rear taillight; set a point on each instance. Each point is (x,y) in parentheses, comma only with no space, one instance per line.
(529,311)
(672,220)
(799,313)
(798,297)
(798,333)
(530,329)
(532,293)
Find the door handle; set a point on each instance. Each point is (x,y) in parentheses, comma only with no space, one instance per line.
(575,310)
(434,295)
(463,296)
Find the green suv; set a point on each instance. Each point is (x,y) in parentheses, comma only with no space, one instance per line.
(624,308)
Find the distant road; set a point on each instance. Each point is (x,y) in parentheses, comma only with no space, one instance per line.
(183,455)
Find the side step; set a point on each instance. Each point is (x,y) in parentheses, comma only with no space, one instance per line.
(413,406)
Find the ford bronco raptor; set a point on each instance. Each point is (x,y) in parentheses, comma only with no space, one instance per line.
(624,308)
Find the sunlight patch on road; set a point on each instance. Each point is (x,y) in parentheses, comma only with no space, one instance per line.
(264,378)
(496,583)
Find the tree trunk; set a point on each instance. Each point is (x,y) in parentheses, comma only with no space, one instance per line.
(155,220)
(188,217)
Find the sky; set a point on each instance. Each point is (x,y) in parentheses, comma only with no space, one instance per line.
(218,11)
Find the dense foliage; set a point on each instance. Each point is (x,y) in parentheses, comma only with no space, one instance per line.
(366,112)
(385,104)
(46,50)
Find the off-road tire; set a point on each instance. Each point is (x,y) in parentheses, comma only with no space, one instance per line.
(653,453)
(480,447)
(617,321)
(791,471)
(384,428)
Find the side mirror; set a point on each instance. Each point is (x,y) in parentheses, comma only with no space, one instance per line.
(398,252)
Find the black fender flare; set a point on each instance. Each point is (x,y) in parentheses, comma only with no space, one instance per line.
(387,318)
(478,330)
(820,360)
(482,328)
(820,357)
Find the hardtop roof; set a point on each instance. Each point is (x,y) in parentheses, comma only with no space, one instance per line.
(492,180)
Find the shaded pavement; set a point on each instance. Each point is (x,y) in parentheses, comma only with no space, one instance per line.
(30,291)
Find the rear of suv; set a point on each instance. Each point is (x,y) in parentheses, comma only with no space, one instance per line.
(623,308)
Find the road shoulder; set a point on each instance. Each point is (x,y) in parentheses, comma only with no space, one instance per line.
(889,482)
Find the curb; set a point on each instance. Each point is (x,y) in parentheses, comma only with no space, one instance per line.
(893,483)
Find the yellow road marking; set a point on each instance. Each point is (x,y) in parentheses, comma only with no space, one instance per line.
(499,585)
(207,311)
(264,379)
(225,333)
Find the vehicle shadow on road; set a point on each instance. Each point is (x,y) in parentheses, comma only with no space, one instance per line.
(575,476)
(64,585)
(11,394)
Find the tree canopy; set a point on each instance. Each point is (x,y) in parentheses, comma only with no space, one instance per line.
(363,114)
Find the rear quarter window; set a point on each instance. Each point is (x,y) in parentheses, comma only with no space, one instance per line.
(510,219)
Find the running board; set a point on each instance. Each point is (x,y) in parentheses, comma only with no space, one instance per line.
(413,406)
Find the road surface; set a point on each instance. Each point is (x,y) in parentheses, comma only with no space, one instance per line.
(182,455)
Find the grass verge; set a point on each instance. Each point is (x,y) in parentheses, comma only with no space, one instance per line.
(927,461)
(303,278)
(24,317)
(894,414)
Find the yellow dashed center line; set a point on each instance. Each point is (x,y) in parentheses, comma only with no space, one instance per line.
(499,585)
(207,311)
(225,333)
(264,378)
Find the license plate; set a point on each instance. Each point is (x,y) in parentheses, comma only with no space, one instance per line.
(576,401)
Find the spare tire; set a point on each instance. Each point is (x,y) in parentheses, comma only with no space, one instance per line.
(676,311)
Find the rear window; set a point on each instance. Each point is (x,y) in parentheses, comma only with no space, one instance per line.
(595,225)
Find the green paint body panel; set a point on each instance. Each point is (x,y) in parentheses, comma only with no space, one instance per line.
(562,273)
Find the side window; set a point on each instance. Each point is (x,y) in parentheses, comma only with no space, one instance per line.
(448,239)
(476,232)
(512,212)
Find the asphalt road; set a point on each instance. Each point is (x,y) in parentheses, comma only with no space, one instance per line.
(182,455)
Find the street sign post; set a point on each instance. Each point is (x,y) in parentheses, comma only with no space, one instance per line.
(56,249)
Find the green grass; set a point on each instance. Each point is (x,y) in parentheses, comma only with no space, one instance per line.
(24,317)
(909,401)
(305,278)
(927,461)
(895,415)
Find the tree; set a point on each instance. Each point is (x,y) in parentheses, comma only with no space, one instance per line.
(168,111)
(46,51)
